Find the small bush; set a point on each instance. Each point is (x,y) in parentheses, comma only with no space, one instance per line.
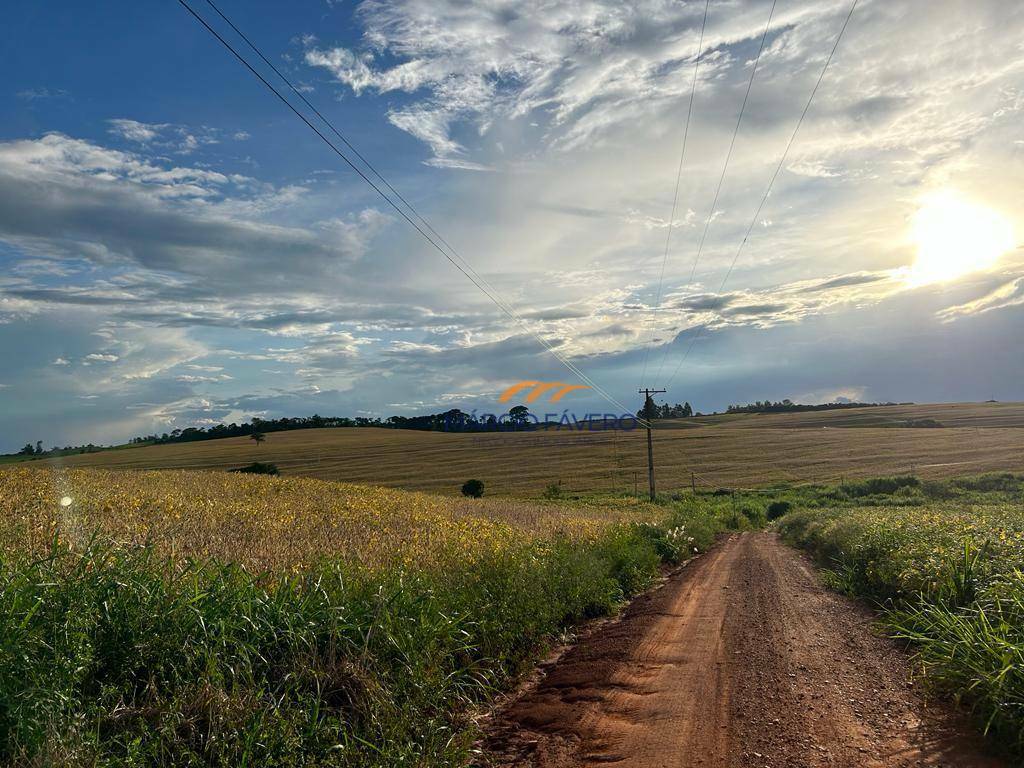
(877,486)
(754,514)
(777,509)
(473,488)
(553,491)
(258,468)
(923,424)
(1005,482)
(937,489)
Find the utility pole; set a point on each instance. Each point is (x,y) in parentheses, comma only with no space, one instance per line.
(648,416)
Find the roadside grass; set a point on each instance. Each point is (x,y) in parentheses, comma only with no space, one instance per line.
(152,621)
(946,572)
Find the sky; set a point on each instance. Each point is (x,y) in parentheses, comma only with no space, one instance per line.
(177,248)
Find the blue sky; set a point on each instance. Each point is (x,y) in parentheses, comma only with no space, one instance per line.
(177,248)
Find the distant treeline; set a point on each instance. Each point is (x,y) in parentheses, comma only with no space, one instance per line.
(517,418)
(257,425)
(454,419)
(37,450)
(788,406)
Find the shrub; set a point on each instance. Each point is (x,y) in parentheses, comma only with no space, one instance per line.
(754,514)
(473,488)
(879,486)
(1005,482)
(923,424)
(553,491)
(937,489)
(258,468)
(777,509)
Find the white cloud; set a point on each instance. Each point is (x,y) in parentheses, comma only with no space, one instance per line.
(582,68)
(43,94)
(133,130)
(1009,294)
(176,138)
(64,197)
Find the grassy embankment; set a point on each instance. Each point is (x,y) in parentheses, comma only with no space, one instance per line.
(943,560)
(182,618)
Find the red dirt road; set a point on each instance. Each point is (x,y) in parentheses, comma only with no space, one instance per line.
(740,659)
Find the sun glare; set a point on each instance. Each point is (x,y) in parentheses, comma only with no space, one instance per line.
(955,237)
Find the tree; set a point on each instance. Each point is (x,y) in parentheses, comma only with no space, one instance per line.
(259,437)
(473,488)
(39,447)
(518,415)
(687,410)
(649,411)
(28,450)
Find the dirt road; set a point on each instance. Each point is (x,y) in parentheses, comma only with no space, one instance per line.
(740,659)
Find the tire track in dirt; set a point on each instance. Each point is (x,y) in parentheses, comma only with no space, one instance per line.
(740,659)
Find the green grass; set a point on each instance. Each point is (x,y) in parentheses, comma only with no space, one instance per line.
(113,656)
(943,563)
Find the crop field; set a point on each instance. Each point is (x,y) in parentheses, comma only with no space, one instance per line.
(944,563)
(270,523)
(740,450)
(191,617)
(173,618)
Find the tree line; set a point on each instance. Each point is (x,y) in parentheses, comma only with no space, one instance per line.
(256,425)
(454,419)
(666,411)
(67,450)
(787,406)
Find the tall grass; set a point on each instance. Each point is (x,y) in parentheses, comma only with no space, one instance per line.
(116,656)
(948,579)
(119,653)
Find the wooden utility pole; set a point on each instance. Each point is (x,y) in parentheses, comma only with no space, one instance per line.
(648,417)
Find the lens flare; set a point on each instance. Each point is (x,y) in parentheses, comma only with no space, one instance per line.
(955,237)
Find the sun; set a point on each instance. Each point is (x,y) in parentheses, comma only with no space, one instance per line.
(954,237)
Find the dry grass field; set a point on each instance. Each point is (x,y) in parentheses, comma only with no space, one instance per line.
(744,450)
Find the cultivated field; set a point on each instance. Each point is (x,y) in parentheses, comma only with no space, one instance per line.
(206,618)
(266,523)
(744,450)
(199,618)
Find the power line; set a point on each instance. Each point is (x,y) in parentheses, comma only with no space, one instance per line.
(771,183)
(453,258)
(463,265)
(675,194)
(725,165)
